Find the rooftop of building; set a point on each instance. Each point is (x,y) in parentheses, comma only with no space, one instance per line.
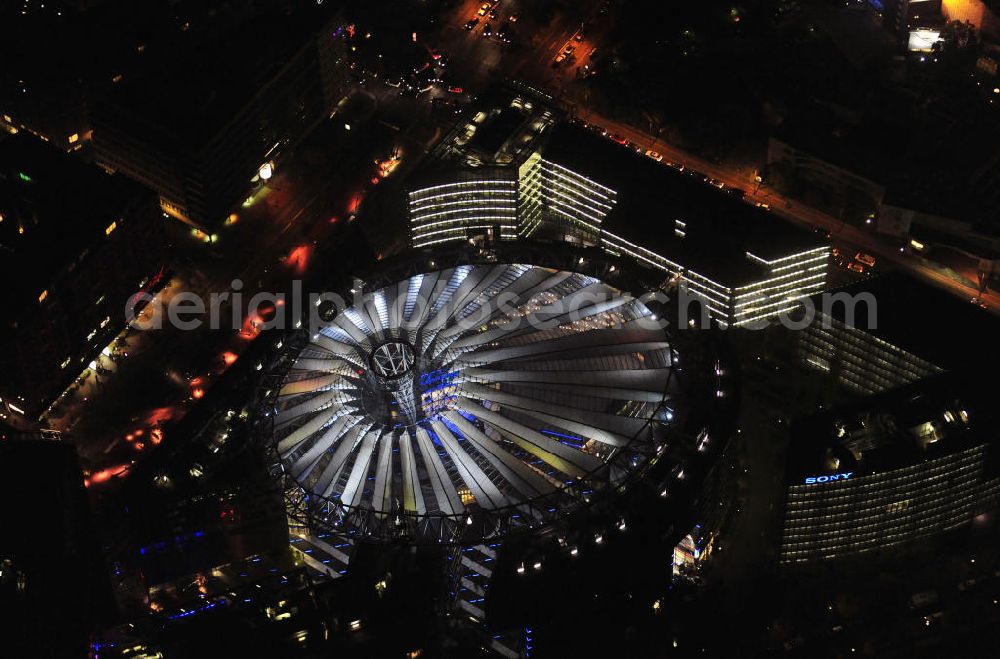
(53,206)
(924,320)
(838,136)
(500,128)
(720,228)
(196,78)
(893,141)
(921,421)
(503,125)
(438,172)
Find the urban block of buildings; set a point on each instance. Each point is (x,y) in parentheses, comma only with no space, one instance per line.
(550,180)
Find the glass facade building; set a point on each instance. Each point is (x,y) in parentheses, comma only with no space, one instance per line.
(860,361)
(890,471)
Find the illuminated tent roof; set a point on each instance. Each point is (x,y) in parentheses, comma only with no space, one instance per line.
(467,401)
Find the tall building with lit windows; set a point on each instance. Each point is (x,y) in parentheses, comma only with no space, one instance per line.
(554,196)
(889,331)
(742,263)
(890,471)
(76,244)
(462,206)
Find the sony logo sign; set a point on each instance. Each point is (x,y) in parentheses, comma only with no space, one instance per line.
(825,479)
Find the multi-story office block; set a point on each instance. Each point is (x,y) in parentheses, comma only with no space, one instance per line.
(890,471)
(860,361)
(889,331)
(553,194)
(741,262)
(463,206)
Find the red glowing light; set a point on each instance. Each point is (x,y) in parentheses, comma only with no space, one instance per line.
(229,358)
(198,393)
(106,474)
(298,259)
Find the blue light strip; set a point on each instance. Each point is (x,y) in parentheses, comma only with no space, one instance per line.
(185,614)
(572,438)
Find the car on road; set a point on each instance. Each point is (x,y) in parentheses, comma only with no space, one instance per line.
(512,18)
(856,267)
(867,259)
(485,7)
(488,30)
(503,34)
(472,23)
(494,14)
(615,137)
(654,155)
(716,183)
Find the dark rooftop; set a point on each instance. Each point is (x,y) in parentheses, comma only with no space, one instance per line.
(867,149)
(491,137)
(196,77)
(921,421)
(62,204)
(720,227)
(900,145)
(437,172)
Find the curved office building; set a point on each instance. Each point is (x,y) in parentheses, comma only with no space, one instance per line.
(483,202)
